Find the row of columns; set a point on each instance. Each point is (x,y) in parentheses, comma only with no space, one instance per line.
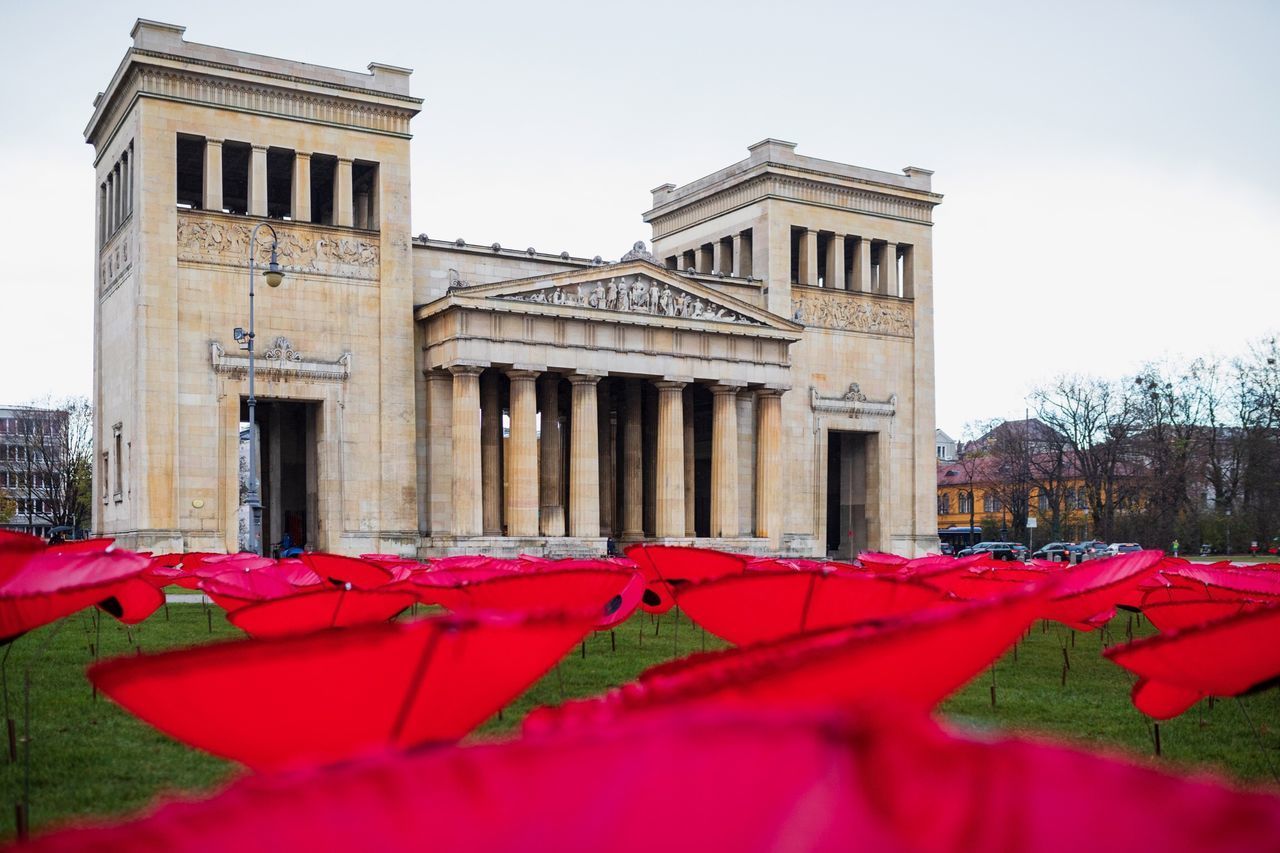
(883,256)
(115,196)
(345,207)
(729,255)
(531,502)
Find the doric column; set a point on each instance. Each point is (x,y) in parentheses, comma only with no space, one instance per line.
(467,518)
(862,266)
(768,446)
(258,180)
(551,510)
(809,258)
(737,255)
(631,423)
(301,186)
(669,517)
(889,270)
(835,262)
(491,451)
(212,174)
(584,458)
(605,442)
(702,259)
(724,460)
(690,526)
(908,272)
(522,455)
(722,264)
(111,206)
(439,451)
(343,215)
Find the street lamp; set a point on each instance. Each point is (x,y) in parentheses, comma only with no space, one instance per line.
(274,275)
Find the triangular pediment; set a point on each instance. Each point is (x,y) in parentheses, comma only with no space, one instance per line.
(637,288)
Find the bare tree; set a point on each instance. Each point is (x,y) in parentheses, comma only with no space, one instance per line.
(57,473)
(1097,421)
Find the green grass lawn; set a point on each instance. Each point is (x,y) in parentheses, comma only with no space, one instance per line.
(89,758)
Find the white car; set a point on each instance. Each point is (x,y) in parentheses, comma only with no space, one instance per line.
(1120,548)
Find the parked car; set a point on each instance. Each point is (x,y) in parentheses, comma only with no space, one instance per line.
(1120,548)
(946,549)
(998,550)
(1092,548)
(1056,551)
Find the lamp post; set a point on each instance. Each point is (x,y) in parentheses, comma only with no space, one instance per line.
(274,275)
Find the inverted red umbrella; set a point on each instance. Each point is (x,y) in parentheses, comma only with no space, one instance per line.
(1187,613)
(665,566)
(359,573)
(878,561)
(302,612)
(611,593)
(1087,595)
(1232,580)
(747,780)
(235,589)
(295,573)
(218,564)
(764,605)
(328,696)
(38,585)
(917,659)
(989,578)
(1226,657)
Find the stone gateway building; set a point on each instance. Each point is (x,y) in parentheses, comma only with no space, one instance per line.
(761,380)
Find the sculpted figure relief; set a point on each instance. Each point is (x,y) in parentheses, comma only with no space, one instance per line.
(642,295)
(852,312)
(210,239)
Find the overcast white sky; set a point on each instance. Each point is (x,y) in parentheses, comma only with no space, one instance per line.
(1110,170)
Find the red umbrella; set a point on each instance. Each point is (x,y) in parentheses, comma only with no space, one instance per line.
(235,589)
(878,561)
(1223,658)
(359,573)
(764,605)
(1086,596)
(919,659)
(332,695)
(721,779)
(218,564)
(40,585)
(302,612)
(988,579)
(665,566)
(1175,615)
(611,593)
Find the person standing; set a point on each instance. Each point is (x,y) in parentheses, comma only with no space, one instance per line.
(1176,545)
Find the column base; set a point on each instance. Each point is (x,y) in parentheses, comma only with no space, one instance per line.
(752,545)
(553,547)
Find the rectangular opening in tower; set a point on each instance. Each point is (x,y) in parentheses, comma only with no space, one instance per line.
(279,183)
(323,171)
(189,166)
(235,176)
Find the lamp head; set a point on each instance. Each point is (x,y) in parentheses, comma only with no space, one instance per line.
(273,274)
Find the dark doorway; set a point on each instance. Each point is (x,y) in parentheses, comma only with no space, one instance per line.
(847,528)
(287,441)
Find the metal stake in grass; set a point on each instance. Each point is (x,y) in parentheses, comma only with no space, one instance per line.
(675,633)
(1156,728)
(613,640)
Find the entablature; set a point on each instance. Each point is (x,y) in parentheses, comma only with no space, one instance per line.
(222,239)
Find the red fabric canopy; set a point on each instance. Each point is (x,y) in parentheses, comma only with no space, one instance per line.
(332,695)
(608,594)
(301,612)
(918,659)
(704,779)
(1176,615)
(1086,596)
(665,566)
(40,585)
(359,573)
(764,605)
(1223,658)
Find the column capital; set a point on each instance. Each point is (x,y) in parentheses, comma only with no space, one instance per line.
(768,391)
(256,147)
(726,386)
(520,374)
(305,155)
(347,160)
(463,368)
(209,140)
(666,384)
(583,378)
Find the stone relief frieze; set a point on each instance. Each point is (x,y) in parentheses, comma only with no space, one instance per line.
(116,261)
(634,294)
(853,402)
(851,312)
(205,238)
(280,361)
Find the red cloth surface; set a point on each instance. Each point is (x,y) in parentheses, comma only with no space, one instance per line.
(331,695)
(1222,658)
(359,573)
(40,585)
(301,612)
(665,566)
(608,593)
(917,659)
(1087,595)
(761,605)
(707,778)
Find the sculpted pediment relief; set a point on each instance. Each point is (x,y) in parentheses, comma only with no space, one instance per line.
(635,294)
(635,286)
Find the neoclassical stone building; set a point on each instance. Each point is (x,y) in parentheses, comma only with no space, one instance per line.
(761,380)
